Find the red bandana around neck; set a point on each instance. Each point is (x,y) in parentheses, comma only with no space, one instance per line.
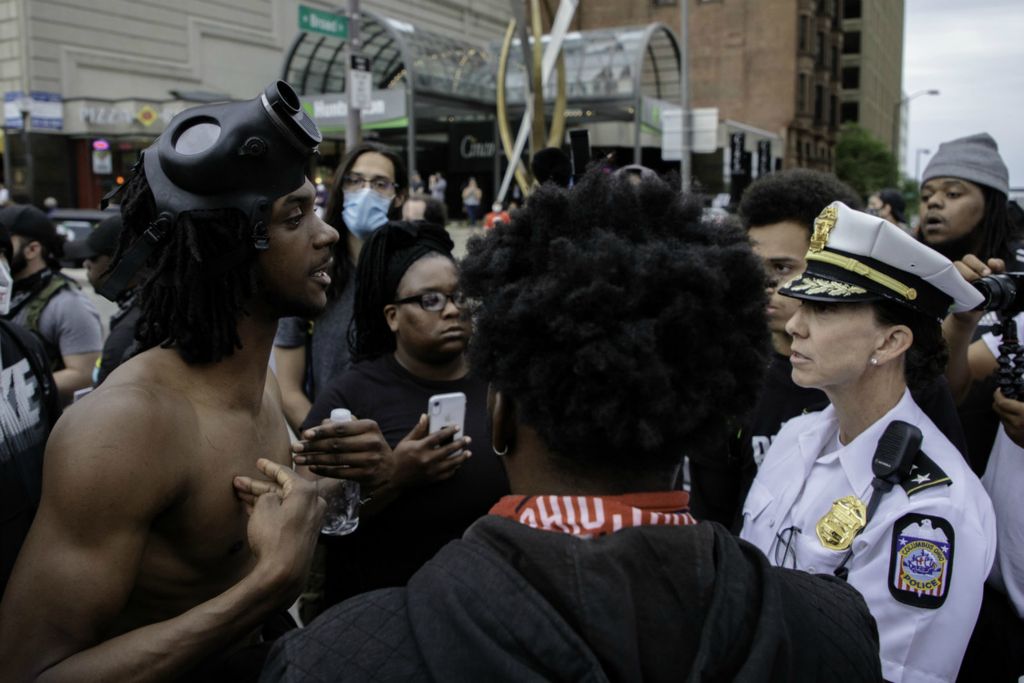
(593,516)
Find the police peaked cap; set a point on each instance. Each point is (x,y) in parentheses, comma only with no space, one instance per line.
(855,256)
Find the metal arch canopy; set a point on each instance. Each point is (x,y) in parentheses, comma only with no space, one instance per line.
(438,73)
(608,71)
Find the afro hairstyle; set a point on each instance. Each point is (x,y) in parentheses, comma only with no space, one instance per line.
(798,194)
(626,331)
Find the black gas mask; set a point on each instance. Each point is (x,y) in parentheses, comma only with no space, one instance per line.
(234,155)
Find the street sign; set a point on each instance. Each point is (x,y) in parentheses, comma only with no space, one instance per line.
(318,21)
(362,82)
(703,122)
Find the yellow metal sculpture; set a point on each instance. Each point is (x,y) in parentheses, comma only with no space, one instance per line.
(538,139)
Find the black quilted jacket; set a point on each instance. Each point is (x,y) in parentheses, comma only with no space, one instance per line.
(510,603)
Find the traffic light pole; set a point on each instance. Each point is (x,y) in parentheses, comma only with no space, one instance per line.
(353,128)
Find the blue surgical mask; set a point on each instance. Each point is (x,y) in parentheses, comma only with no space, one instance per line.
(365,211)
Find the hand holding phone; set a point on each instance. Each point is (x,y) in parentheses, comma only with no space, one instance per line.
(447,409)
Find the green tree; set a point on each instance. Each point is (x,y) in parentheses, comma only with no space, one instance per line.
(864,162)
(912,194)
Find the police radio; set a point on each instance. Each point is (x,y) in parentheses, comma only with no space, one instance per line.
(891,464)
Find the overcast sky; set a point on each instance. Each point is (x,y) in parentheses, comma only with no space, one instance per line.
(972,51)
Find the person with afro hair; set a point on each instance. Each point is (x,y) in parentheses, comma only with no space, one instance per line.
(778,212)
(617,332)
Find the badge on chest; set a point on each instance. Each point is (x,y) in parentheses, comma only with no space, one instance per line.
(841,524)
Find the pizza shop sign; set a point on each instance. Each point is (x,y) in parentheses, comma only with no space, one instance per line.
(120,117)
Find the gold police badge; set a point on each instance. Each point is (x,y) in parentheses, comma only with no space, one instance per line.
(840,525)
(823,225)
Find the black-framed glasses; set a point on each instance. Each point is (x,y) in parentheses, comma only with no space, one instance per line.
(379,184)
(435,302)
(785,547)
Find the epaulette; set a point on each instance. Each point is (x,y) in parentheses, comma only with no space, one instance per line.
(924,474)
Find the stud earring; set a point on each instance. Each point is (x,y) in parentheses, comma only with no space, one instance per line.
(874,361)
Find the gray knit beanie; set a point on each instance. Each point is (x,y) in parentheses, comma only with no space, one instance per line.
(974,158)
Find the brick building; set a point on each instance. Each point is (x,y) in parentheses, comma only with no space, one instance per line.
(777,64)
(872,68)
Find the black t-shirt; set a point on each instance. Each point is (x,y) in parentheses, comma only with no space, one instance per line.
(387,548)
(29,407)
(720,480)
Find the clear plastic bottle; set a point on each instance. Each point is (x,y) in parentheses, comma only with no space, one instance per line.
(342,514)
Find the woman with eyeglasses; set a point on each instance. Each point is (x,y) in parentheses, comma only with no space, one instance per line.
(919,545)
(369,189)
(408,341)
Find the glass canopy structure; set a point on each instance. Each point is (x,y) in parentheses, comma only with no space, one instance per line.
(442,80)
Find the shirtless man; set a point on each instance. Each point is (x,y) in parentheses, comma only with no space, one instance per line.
(142,562)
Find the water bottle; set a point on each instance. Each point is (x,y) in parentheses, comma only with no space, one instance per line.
(342,514)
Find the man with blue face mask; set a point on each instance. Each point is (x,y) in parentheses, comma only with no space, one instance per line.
(29,406)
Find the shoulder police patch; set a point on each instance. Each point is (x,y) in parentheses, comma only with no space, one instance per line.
(921,560)
(924,474)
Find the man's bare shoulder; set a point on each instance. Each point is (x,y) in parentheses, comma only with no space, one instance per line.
(138,421)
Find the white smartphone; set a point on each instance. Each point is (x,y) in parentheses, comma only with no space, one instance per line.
(447,409)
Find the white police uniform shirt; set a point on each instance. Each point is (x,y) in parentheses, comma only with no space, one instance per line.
(922,559)
(1004,481)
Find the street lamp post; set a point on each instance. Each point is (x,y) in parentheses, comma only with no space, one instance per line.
(917,163)
(685,161)
(30,175)
(896,110)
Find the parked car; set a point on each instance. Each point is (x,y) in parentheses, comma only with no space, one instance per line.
(75,225)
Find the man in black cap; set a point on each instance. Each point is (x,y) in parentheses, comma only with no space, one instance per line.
(29,406)
(96,251)
(143,561)
(49,304)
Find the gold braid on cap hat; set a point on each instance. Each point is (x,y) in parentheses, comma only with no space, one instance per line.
(823,226)
(855,266)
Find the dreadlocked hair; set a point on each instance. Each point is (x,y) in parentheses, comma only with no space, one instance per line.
(189,302)
(625,329)
(996,228)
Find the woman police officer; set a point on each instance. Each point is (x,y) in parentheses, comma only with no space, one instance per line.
(869,324)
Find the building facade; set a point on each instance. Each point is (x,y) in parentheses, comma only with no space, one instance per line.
(872,68)
(771,64)
(89,83)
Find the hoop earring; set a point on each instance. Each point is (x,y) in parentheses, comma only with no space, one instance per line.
(503,452)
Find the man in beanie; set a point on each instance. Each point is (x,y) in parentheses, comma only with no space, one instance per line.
(29,407)
(963,201)
(96,251)
(964,211)
(49,304)
(149,558)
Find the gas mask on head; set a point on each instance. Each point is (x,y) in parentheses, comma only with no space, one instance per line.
(234,155)
(6,286)
(364,211)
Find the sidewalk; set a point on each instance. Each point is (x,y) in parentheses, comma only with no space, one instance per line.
(461,232)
